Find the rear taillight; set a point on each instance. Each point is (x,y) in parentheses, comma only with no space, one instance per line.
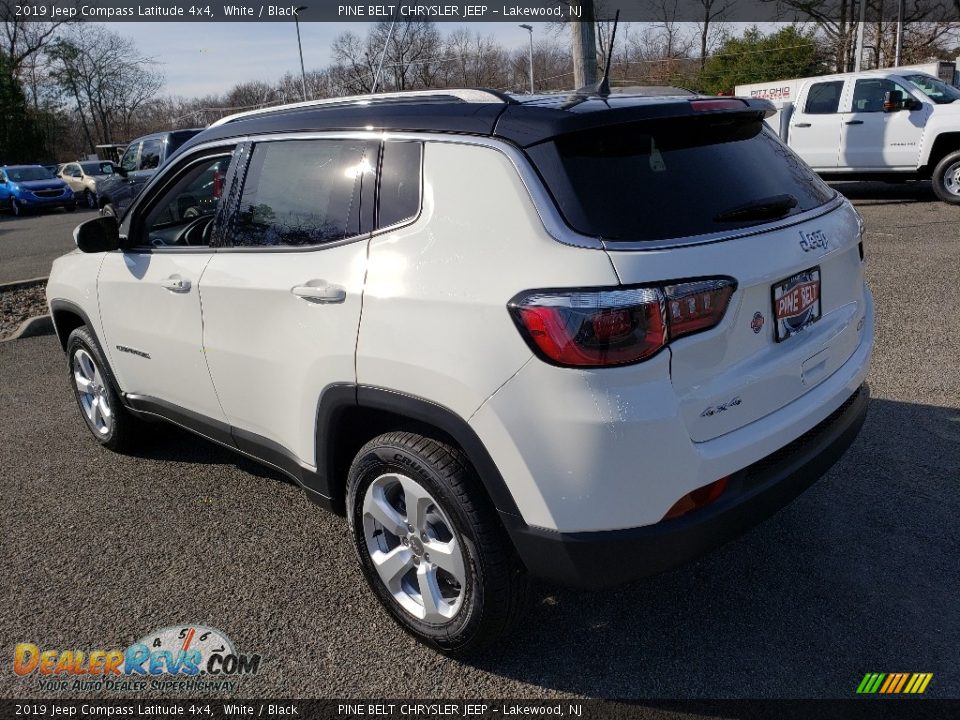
(698,305)
(711,105)
(617,326)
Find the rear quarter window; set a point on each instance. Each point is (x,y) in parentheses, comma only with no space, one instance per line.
(671,179)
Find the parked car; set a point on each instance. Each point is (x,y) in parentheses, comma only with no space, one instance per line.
(600,334)
(82,177)
(139,163)
(32,187)
(898,124)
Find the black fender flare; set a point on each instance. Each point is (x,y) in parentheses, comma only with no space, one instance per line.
(337,399)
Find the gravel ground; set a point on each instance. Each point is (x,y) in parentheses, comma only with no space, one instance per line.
(859,574)
(19,305)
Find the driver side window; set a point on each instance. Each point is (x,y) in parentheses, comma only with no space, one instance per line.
(129,161)
(183,215)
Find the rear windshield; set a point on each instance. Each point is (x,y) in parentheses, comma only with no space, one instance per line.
(676,178)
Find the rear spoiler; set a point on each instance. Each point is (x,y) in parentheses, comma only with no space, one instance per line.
(528,124)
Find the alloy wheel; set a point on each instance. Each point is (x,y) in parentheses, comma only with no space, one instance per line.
(414,548)
(951,179)
(92,390)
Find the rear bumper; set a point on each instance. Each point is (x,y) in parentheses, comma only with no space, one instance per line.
(609,558)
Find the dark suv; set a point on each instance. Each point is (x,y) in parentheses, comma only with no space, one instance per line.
(140,161)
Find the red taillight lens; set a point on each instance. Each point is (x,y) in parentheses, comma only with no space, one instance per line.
(605,327)
(696,499)
(593,328)
(696,306)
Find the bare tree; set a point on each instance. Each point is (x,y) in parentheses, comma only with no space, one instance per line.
(23,40)
(105,77)
(711,25)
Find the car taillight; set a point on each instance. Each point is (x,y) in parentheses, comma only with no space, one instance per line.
(695,306)
(617,326)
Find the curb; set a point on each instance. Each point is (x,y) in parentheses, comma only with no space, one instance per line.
(31,327)
(21,284)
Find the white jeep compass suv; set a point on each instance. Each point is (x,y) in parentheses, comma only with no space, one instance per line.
(584,338)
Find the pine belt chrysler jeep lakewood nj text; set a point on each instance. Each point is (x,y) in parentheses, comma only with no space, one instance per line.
(584,338)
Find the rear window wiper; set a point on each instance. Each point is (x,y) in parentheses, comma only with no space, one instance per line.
(769,208)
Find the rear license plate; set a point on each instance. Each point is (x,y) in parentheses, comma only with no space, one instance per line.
(796,303)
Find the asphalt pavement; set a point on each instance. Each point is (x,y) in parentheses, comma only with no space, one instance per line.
(860,574)
(29,244)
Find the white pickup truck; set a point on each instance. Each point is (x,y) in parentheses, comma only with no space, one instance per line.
(898,124)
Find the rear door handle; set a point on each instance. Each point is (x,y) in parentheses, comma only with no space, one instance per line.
(176,284)
(854,122)
(319,292)
(802,125)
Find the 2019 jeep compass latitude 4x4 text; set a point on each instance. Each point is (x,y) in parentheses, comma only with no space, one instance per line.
(576,337)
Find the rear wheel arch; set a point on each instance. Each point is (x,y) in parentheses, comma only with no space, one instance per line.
(349,416)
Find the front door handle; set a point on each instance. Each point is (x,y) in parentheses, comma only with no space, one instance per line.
(854,122)
(802,125)
(176,284)
(317,291)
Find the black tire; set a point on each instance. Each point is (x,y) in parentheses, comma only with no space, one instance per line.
(125,428)
(495,592)
(15,208)
(946,178)
(108,210)
(91,199)
(71,207)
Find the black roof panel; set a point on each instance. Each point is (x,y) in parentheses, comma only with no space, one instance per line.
(523,120)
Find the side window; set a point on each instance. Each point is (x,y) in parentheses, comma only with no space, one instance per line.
(824,98)
(302,192)
(183,214)
(150,154)
(129,161)
(868,94)
(399,182)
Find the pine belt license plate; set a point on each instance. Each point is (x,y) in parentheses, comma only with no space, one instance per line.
(796,303)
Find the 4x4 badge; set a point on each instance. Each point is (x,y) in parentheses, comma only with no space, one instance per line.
(716,409)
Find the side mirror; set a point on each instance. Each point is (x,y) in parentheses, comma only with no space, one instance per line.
(893,101)
(101,234)
(122,171)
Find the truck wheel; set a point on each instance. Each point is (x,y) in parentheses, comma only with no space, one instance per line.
(946,178)
(430,544)
(97,395)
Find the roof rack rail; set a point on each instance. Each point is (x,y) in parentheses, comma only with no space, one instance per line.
(468,95)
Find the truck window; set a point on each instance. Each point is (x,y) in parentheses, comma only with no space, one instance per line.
(824,98)
(936,90)
(868,94)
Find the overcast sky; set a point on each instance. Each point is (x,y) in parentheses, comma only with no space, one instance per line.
(203,58)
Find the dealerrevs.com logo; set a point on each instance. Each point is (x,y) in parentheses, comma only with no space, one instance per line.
(188,658)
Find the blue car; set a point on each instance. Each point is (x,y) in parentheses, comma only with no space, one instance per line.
(33,187)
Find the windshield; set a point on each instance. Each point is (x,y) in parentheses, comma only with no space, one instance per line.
(675,178)
(97,168)
(29,173)
(936,90)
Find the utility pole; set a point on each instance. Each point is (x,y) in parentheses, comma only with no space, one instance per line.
(529,29)
(583,44)
(303,73)
(899,51)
